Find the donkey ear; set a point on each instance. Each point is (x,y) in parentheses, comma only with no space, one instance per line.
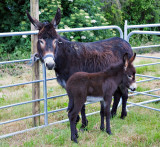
(57,18)
(125,58)
(132,58)
(38,25)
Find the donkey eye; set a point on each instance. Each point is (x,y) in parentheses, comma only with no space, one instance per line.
(130,76)
(41,42)
(55,43)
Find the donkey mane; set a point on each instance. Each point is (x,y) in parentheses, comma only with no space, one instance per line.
(47,32)
(114,69)
(90,57)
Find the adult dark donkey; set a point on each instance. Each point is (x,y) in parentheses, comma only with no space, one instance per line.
(103,84)
(67,57)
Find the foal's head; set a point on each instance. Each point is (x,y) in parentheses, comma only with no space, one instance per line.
(47,39)
(129,73)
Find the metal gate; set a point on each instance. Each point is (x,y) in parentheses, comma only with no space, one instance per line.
(150,78)
(44,80)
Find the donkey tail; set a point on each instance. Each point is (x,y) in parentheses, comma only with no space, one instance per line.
(71,103)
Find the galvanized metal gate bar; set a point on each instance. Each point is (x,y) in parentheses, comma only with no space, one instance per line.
(65,30)
(46,112)
(126,37)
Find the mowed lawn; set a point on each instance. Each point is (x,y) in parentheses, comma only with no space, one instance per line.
(141,127)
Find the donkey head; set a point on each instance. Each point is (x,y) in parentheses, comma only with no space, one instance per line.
(47,39)
(129,73)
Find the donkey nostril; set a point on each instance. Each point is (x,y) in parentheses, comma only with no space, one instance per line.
(133,89)
(49,66)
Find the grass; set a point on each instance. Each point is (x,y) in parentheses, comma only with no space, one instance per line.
(137,129)
(140,128)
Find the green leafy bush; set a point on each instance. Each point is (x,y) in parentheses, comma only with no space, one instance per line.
(78,14)
(75,14)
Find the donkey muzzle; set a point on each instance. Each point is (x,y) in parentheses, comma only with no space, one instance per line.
(49,61)
(133,86)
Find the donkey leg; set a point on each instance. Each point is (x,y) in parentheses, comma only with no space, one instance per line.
(78,118)
(84,119)
(107,104)
(72,115)
(102,116)
(117,96)
(124,102)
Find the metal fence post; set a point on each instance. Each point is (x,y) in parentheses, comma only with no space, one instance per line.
(45,95)
(125,30)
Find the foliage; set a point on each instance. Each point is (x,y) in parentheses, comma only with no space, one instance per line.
(141,11)
(85,14)
(135,11)
(75,14)
(13,20)
(19,46)
(113,11)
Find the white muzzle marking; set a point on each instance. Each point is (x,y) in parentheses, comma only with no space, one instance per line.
(133,86)
(49,60)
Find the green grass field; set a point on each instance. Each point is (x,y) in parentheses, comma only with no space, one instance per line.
(140,128)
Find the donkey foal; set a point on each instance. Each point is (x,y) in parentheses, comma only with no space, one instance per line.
(102,84)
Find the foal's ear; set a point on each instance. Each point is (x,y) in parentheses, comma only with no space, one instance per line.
(38,25)
(57,18)
(125,59)
(132,58)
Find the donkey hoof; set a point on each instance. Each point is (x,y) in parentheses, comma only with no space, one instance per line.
(109,132)
(76,135)
(102,128)
(123,115)
(113,114)
(77,120)
(83,129)
(74,140)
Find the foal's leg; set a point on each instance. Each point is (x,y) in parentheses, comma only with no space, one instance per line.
(72,115)
(117,96)
(107,104)
(124,102)
(84,119)
(102,115)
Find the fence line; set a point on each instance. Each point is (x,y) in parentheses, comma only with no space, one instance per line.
(44,80)
(127,37)
(64,30)
(142,32)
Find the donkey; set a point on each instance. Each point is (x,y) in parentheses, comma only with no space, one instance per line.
(67,57)
(103,84)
